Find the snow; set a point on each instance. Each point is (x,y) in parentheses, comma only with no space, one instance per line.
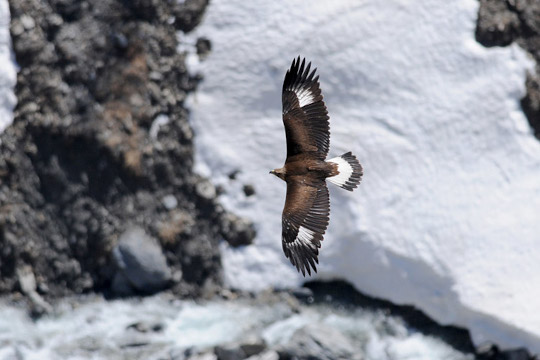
(446,217)
(8,73)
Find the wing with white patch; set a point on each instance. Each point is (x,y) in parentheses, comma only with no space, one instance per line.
(304,113)
(305,219)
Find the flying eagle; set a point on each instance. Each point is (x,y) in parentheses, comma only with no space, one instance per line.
(307,205)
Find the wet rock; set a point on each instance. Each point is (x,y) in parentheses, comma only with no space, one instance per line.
(141,261)
(146,327)
(319,342)
(249,190)
(229,352)
(492,352)
(240,350)
(203,356)
(267,355)
(253,346)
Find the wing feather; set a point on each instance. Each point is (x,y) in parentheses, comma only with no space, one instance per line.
(304,221)
(304,113)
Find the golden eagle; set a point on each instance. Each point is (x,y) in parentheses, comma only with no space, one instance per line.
(307,205)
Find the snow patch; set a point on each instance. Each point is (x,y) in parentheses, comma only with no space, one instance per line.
(446,217)
(8,70)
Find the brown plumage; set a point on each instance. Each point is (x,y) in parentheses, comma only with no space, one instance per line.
(307,205)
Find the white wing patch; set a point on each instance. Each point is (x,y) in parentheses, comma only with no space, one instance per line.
(345,171)
(305,97)
(304,237)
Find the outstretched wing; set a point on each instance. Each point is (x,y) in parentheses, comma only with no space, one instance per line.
(304,114)
(304,221)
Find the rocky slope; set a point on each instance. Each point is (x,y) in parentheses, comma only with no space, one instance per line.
(101,145)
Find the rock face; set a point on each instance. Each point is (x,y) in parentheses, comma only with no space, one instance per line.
(100,138)
(501,22)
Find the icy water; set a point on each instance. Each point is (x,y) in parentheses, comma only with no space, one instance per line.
(99,329)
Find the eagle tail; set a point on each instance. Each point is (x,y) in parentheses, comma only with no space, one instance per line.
(349,171)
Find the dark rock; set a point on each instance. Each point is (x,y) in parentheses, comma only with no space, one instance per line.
(240,350)
(253,346)
(237,231)
(319,342)
(203,46)
(189,14)
(492,352)
(497,24)
(203,356)
(234,174)
(145,327)
(267,355)
(229,352)
(501,22)
(121,285)
(249,190)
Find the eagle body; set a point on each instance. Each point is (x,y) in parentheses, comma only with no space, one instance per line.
(307,168)
(306,212)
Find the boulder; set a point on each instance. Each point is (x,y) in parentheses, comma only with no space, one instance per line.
(319,342)
(141,261)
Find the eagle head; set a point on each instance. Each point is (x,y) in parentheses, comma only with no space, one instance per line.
(280,173)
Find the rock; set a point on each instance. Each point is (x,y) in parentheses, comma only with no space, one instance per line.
(145,327)
(501,22)
(492,352)
(229,352)
(203,46)
(170,202)
(141,261)
(319,342)
(121,285)
(81,159)
(241,349)
(27,283)
(203,356)
(253,346)
(237,231)
(249,190)
(267,355)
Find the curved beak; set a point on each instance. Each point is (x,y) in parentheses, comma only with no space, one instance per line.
(272,172)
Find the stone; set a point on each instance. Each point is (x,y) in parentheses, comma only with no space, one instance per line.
(267,355)
(237,231)
(229,352)
(140,258)
(320,342)
(249,190)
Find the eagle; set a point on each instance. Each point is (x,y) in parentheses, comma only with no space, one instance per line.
(307,204)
